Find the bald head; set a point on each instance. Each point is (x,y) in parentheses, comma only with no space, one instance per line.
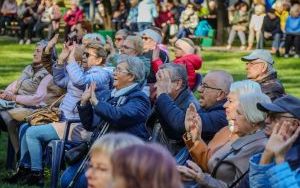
(221,79)
(215,87)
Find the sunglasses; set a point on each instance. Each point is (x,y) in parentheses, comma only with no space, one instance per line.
(145,38)
(118,39)
(87,55)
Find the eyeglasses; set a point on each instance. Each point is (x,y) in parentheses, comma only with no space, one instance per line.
(145,38)
(87,55)
(119,70)
(205,86)
(127,47)
(274,116)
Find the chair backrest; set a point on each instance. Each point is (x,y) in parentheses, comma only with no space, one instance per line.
(198,81)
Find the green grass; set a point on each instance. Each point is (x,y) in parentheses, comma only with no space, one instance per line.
(14,57)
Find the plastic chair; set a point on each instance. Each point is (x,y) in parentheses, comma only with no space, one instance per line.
(58,148)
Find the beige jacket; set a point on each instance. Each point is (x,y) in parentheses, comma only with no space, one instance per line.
(236,163)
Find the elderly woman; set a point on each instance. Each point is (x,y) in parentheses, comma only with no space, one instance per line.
(74,79)
(28,90)
(131,114)
(198,149)
(135,106)
(144,166)
(228,164)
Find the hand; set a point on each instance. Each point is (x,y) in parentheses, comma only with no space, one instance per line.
(64,54)
(86,95)
(193,123)
(51,43)
(71,57)
(8,96)
(191,172)
(155,54)
(163,83)
(281,140)
(93,99)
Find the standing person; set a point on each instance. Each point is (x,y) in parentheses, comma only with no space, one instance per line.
(255,26)
(292,29)
(131,21)
(238,18)
(72,17)
(146,14)
(8,13)
(27,13)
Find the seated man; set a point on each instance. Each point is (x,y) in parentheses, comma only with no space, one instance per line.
(213,92)
(284,120)
(178,93)
(259,68)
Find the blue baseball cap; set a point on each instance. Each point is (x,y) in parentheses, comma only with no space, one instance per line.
(285,104)
(264,55)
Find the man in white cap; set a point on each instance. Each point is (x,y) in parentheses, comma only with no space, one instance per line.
(259,68)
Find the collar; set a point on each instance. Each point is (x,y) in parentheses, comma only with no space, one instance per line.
(269,77)
(123,91)
(248,139)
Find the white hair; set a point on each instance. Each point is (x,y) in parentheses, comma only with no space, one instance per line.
(244,87)
(248,104)
(96,37)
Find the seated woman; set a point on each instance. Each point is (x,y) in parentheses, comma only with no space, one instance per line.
(144,166)
(228,164)
(74,79)
(198,149)
(131,114)
(28,91)
(101,153)
(8,13)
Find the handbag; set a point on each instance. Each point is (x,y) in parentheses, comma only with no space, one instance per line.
(20,113)
(45,115)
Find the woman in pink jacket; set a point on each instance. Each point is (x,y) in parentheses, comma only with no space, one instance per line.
(72,17)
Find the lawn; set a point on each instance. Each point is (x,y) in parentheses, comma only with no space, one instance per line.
(13,58)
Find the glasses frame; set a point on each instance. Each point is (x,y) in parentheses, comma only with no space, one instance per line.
(205,86)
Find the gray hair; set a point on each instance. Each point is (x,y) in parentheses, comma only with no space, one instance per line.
(113,141)
(123,32)
(248,104)
(270,68)
(95,37)
(225,80)
(136,67)
(244,87)
(177,71)
(43,44)
(137,43)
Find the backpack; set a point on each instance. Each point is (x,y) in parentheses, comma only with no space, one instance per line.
(202,29)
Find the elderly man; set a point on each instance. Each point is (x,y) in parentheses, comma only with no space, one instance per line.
(283,147)
(213,92)
(259,68)
(172,80)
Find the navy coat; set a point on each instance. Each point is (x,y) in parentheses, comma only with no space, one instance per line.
(129,117)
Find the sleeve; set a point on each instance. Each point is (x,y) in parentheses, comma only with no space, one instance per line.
(86,115)
(173,116)
(154,11)
(281,175)
(60,76)
(199,152)
(155,64)
(38,97)
(78,78)
(258,177)
(11,88)
(134,111)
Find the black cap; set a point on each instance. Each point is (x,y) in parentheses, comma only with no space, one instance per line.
(285,104)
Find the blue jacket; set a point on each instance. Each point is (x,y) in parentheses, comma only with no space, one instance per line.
(272,175)
(129,117)
(74,79)
(292,25)
(267,175)
(213,119)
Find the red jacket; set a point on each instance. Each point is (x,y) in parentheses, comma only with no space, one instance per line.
(192,63)
(74,18)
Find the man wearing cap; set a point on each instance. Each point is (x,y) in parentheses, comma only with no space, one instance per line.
(259,68)
(273,168)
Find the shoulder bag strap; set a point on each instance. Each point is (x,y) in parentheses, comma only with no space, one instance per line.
(56,101)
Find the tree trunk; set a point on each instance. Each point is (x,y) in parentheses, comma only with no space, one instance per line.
(221,21)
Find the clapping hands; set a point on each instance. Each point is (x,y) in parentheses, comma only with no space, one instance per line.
(89,95)
(191,172)
(163,82)
(193,123)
